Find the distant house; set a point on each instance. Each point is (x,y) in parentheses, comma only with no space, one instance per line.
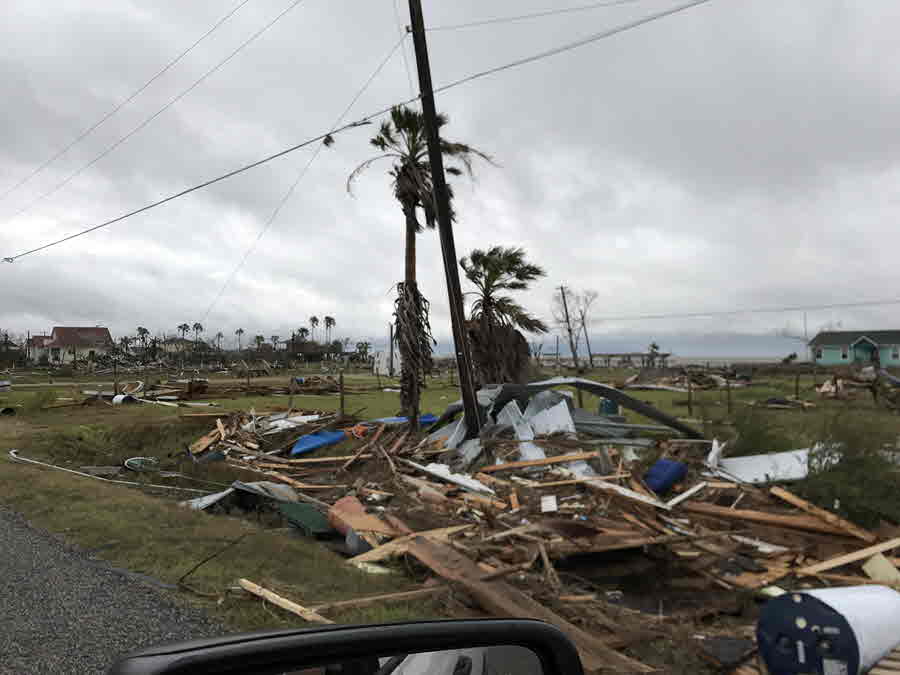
(70,343)
(177,345)
(36,346)
(861,347)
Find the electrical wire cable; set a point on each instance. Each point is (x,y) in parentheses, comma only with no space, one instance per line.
(44,195)
(759,310)
(14,455)
(574,44)
(368,118)
(303,171)
(402,29)
(532,15)
(137,92)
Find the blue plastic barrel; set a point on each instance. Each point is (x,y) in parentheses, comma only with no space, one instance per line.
(664,474)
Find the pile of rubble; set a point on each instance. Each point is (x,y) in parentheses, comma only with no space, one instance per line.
(615,532)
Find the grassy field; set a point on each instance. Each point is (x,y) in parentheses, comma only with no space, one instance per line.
(147,532)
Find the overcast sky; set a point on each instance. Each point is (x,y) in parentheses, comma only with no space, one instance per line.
(735,155)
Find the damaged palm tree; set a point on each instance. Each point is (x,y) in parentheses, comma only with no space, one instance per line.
(402,140)
(414,336)
(499,351)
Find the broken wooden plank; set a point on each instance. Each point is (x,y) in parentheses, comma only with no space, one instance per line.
(501,599)
(384,598)
(628,494)
(675,501)
(579,481)
(297,484)
(880,569)
(204,442)
(840,560)
(827,516)
(547,461)
(399,546)
(301,611)
(779,520)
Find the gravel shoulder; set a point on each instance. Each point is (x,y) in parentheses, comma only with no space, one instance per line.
(63,612)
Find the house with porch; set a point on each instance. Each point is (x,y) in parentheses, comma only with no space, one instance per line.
(856,347)
(67,344)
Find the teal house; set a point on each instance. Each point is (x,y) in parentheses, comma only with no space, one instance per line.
(856,347)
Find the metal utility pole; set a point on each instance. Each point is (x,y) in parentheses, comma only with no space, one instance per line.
(445,226)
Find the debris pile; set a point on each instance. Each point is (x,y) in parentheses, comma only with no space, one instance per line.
(616,532)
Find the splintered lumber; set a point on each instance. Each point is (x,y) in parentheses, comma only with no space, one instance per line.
(297,484)
(364,447)
(776,519)
(501,599)
(320,460)
(382,599)
(580,481)
(204,442)
(560,459)
(301,611)
(400,545)
(861,554)
(827,516)
(628,494)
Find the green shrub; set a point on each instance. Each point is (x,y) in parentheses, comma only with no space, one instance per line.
(852,472)
(37,401)
(757,434)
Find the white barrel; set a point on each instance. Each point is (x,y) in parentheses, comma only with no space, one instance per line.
(833,631)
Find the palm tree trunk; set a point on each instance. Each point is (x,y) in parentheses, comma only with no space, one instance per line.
(411,230)
(409,375)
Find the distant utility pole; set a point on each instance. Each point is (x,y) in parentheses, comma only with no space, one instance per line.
(445,226)
(565,306)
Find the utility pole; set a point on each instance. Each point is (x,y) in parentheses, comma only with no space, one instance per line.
(565,304)
(445,226)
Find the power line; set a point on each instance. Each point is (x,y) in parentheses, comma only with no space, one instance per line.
(402,29)
(200,186)
(574,45)
(533,15)
(290,191)
(759,310)
(159,112)
(87,132)
(366,119)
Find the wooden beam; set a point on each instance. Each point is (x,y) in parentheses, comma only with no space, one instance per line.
(547,461)
(301,611)
(779,520)
(861,554)
(827,516)
(501,599)
(384,598)
(400,545)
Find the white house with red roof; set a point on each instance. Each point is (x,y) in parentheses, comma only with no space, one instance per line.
(66,344)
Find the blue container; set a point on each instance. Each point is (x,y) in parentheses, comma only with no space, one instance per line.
(664,474)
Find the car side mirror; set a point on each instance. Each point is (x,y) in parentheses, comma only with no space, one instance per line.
(468,647)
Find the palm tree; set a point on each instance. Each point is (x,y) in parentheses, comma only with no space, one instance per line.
(303,334)
(183,329)
(125,342)
(402,140)
(313,322)
(274,339)
(239,332)
(259,340)
(142,334)
(218,339)
(499,351)
(496,270)
(197,328)
(329,324)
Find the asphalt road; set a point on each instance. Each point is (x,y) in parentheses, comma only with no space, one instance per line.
(62,612)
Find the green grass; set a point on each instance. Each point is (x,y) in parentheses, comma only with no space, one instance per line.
(153,535)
